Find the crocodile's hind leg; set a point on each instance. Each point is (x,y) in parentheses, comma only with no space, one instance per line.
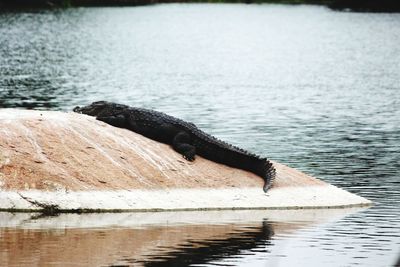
(181,144)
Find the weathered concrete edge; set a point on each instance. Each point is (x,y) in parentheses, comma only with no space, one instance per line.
(310,197)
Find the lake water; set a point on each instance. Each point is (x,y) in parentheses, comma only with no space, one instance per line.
(309,87)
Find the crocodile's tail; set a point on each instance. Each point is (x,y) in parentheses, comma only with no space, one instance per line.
(266,170)
(219,151)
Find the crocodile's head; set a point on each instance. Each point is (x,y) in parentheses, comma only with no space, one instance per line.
(100,109)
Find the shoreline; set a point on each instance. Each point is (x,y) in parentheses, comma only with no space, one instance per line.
(384,6)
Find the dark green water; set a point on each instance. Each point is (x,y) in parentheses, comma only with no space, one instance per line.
(304,85)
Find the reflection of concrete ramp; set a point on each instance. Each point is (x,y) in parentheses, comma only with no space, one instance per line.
(147,239)
(67,161)
(150,219)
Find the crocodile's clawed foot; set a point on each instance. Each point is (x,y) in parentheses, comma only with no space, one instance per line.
(189,157)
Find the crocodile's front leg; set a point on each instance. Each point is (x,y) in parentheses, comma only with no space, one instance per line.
(181,144)
(115,120)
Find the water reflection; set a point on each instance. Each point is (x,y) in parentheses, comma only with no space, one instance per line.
(148,239)
(239,242)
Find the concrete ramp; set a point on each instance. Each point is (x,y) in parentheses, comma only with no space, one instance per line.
(72,162)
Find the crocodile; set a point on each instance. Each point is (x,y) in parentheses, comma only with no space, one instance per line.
(184,137)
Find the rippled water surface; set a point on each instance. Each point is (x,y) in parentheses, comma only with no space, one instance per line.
(312,88)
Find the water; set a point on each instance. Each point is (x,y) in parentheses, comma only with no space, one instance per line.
(303,85)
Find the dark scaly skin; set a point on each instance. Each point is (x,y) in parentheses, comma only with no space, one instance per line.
(184,137)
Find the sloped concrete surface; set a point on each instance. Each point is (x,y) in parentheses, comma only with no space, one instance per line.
(67,161)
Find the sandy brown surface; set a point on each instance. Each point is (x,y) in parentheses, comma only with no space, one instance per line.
(54,150)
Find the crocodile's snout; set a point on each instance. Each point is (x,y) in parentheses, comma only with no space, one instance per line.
(93,109)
